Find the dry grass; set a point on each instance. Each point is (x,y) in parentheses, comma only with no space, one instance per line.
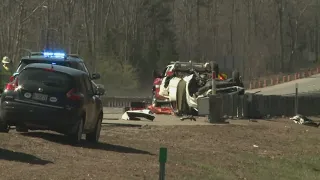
(285,151)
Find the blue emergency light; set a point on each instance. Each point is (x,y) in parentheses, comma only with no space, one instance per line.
(54,54)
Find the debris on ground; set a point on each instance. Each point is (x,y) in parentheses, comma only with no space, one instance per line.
(303,120)
(145,126)
(192,118)
(137,114)
(160,110)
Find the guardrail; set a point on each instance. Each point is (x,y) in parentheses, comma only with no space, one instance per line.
(260,106)
(246,106)
(121,102)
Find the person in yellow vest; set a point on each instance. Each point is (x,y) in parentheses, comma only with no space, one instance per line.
(5,72)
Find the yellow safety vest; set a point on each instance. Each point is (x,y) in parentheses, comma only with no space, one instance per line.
(5,75)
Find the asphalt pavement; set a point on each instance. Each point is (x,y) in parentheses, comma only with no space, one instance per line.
(112,116)
(305,85)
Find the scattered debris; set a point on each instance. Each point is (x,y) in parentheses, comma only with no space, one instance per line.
(145,126)
(137,114)
(192,118)
(303,120)
(268,116)
(160,110)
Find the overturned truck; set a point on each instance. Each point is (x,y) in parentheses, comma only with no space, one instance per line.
(181,83)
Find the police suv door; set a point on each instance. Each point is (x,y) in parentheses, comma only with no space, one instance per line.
(90,101)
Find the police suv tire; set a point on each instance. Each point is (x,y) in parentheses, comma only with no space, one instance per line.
(77,135)
(95,135)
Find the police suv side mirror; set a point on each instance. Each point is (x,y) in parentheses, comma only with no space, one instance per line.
(95,76)
(100,90)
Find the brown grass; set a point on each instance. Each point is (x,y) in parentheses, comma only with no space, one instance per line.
(285,151)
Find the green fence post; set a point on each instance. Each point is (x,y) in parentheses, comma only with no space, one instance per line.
(162,161)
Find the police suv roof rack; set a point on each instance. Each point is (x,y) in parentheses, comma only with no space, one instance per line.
(36,54)
(27,50)
(73,55)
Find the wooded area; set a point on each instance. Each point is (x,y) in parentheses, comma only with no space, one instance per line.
(125,40)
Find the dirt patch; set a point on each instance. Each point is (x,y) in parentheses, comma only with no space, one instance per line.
(257,150)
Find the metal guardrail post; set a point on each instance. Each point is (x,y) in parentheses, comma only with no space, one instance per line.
(296,102)
(214,76)
(162,160)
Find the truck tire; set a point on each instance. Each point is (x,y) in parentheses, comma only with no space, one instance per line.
(236,77)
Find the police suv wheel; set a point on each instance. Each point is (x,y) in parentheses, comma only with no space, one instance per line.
(95,135)
(77,135)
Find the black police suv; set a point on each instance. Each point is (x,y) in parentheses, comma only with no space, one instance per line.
(52,97)
(56,58)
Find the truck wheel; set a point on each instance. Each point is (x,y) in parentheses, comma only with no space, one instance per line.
(95,135)
(215,67)
(236,77)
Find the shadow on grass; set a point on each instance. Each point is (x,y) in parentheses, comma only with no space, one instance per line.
(21,157)
(61,139)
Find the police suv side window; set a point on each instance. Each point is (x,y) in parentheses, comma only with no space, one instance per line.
(88,85)
(83,87)
(85,69)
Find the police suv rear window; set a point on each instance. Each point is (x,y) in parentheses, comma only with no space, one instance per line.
(42,77)
(26,62)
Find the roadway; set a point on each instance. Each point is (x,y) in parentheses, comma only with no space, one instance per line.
(306,85)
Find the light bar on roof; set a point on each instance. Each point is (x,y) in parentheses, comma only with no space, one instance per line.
(54,54)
